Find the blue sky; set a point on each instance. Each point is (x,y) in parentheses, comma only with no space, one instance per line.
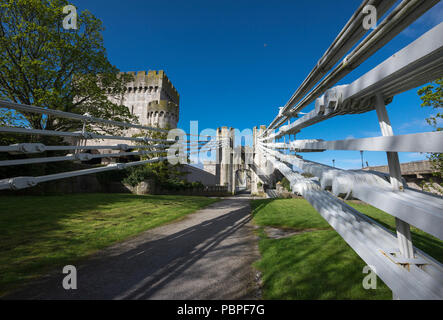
(235,62)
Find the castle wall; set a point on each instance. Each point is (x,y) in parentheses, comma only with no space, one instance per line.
(198,175)
(150,97)
(153,99)
(211,167)
(258,160)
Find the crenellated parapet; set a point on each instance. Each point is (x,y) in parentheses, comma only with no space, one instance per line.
(153,82)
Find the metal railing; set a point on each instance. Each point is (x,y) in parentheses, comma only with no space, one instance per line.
(145,145)
(408,271)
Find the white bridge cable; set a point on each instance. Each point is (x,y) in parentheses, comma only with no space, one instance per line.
(205,143)
(73,116)
(422,210)
(30,148)
(18,183)
(415,142)
(211,143)
(414,276)
(371,241)
(77,157)
(79,134)
(416,64)
(346,39)
(400,18)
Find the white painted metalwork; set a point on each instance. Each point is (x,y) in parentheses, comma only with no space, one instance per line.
(409,272)
(423,277)
(160,146)
(416,142)
(417,208)
(401,17)
(73,116)
(415,65)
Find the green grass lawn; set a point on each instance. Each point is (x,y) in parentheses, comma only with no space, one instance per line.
(318,264)
(38,234)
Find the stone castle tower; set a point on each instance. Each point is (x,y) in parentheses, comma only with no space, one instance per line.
(153,99)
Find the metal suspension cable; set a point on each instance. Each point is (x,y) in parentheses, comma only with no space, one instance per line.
(371,241)
(348,37)
(416,64)
(401,17)
(73,116)
(76,157)
(416,142)
(419,209)
(80,134)
(27,148)
(18,183)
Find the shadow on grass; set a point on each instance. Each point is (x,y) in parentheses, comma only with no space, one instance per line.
(38,233)
(145,269)
(314,265)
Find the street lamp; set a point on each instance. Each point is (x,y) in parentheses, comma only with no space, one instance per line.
(362,163)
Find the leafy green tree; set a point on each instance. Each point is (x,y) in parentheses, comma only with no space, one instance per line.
(432,96)
(45,65)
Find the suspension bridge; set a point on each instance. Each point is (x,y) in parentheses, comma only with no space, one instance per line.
(408,271)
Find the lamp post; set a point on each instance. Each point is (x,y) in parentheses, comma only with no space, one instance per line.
(362,163)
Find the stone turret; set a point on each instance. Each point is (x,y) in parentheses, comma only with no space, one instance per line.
(225,157)
(259,160)
(152,97)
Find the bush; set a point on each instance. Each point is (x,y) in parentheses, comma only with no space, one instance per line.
(176,184)
(137,174)
(198,185)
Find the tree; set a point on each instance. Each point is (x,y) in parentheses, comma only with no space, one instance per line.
(432,96)
(45,65)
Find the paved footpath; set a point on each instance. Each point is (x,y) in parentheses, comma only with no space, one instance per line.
(207,255)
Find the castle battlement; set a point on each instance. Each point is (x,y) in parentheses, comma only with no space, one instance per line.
(152,81)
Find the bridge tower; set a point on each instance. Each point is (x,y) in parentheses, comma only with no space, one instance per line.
(151,97)
(258,162)
(224,161)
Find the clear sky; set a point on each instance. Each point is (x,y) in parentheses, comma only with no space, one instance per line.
(235,62)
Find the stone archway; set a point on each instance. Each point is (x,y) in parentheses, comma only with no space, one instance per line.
(242,178)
